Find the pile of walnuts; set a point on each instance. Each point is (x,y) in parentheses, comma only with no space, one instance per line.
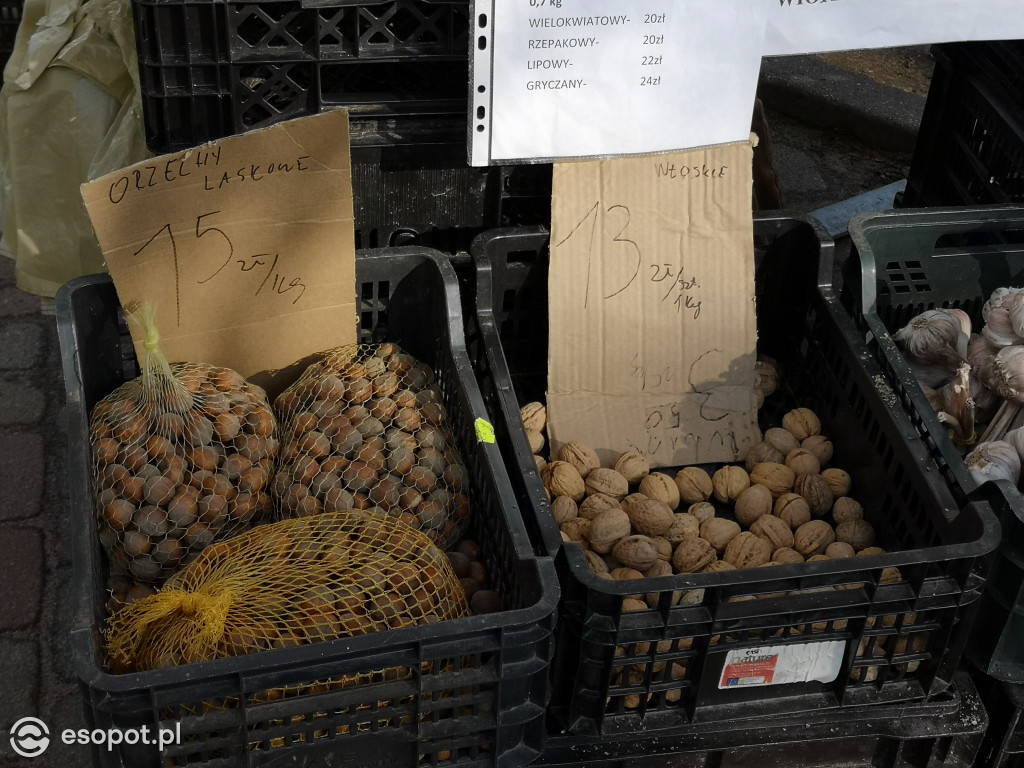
(785,506)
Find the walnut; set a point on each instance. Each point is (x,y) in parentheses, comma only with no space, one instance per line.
(802,461)
(762,452)
(818,558)
(684,526)
(786,556)
(719,532)
(651,517)
(577,529)
(846,508)
(792,509)
(694,485)
(536,440)
(596,503)
(801,423)
(702,510)
(820,446)
(813,538)
(632,466)
(839,549)
(563,480)
(777,478)
(661,487)
(729,482)
(661,567)
(838,480)
(564,509)
(747,550)
(719,566)
(859,534)
(869,551)
(541,463)
(782,440)
(773,530)
(754,502)
(626,574)
(608,482)
(607,528)
(534,416)
(665,547)
(816,490)
(595,561)
(693,556)
(637,552)
(580,456)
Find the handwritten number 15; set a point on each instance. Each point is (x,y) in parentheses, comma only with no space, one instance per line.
(593,214)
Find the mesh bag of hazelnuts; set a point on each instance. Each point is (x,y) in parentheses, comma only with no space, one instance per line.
(298,581)
(182,456)
(365,428)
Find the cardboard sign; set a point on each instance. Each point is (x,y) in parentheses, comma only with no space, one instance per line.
(814,26)
(652,329)
(553,78)
(246,245)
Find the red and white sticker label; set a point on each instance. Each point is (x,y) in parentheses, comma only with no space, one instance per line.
(781,664)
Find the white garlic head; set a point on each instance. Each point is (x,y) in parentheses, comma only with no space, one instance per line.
(994,460)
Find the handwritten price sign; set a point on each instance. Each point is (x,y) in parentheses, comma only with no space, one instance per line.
(652,327)
(245,245)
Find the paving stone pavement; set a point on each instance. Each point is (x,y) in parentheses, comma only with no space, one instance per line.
(36,672)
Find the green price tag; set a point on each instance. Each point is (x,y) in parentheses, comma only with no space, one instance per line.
(484,431)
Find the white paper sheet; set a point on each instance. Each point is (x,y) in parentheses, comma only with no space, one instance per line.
(814,26)
(585,78)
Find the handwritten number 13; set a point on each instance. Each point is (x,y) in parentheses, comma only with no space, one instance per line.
(593,215)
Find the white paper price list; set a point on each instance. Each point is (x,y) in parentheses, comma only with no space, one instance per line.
(578,78)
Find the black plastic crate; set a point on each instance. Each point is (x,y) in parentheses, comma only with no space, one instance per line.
(1003,745)
(476,688)
(945,733)
(970,144)
(10,20)
(902,264)
(937,544)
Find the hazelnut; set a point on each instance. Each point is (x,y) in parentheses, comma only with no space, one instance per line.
(729,482)
(694,485)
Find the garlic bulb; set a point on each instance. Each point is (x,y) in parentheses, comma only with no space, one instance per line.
(935,337)
(1004,315)
(1008,373)
(955,406)
(1015,437)
(996,460)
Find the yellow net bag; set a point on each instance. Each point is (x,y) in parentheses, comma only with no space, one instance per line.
(182,456)
(286,584)
(366,428)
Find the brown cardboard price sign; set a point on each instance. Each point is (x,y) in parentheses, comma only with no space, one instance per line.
(652,330)
(246,245)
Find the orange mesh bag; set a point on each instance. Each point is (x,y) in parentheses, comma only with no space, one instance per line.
(290,583)
(365,428)
(182,456)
